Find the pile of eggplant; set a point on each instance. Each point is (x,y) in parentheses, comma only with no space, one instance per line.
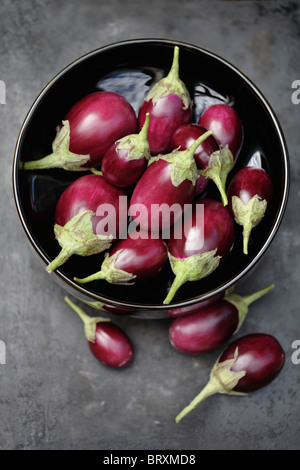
(167,161)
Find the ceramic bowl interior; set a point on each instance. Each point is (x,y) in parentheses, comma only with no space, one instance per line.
(131,68)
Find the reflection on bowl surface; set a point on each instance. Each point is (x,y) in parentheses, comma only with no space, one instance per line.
(130,68)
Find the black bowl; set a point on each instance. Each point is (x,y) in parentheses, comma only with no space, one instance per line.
(130,68)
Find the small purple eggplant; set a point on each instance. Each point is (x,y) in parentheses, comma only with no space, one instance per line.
(125,161)
(180,312)
(249,193)
(184,136)
(164,188)
(207,237)
(227,129)
(107,341)
(213,324)
(80,222)
(169,106)
(247,364)
(131,261)
(226,125)
(213,162)
(201,184)
(93,123)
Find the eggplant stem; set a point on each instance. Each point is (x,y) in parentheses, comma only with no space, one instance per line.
(248,215)
(242,303)
(207,391)
(192,149)
(96,172)
(248,299)
(179,280)
(109,272)
(174,70)
(50,161)
(61,156)
(77,237)
(171,84)
(183,165)
(218,182)
(82,314)
(192,268)
(93,277)
(88,322)
(61,258)
(222,380)
(247,229)
(220,164)
(144,131)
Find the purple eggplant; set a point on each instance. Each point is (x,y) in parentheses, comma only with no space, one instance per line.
(227,129)
(169,105)
(206,237)
(182,139)
(249,193)
(186,134)
(201,185)
(211,325)
(89,215)
(125,161)
(107,341)
(131,261)
(179,312)
(213,162)
(247,364)
(90,127)
(165,187)
(226,125)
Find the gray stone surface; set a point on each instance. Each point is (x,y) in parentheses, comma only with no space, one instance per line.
(53,393)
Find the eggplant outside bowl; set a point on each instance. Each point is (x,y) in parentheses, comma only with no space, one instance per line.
(130,68)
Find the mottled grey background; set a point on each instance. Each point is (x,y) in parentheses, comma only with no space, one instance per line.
(53,394)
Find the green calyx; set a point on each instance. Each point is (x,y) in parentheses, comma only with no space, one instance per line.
(136,145)
(222,380)
(183,165)
(220,164)
(242,302)
(61,157)
(171,84)
(248,215)
(192,268)
(110,273)
(89,323)
(76,237)
(96,172)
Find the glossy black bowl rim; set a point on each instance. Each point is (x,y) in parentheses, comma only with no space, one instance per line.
(184,303)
